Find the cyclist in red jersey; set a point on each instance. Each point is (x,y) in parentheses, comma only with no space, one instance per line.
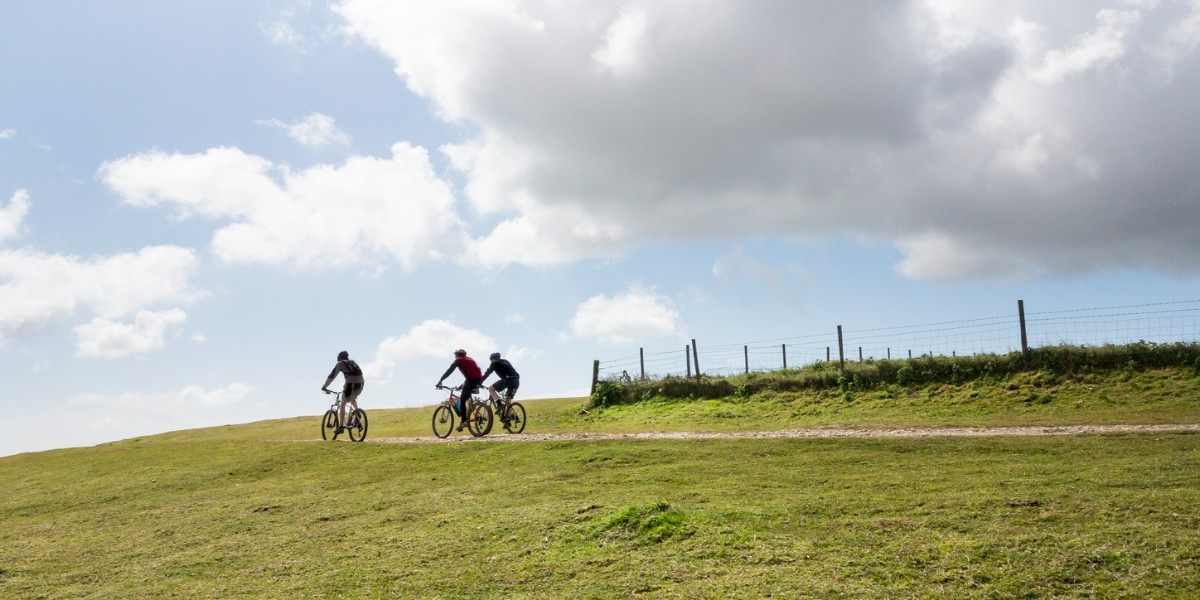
(472,378)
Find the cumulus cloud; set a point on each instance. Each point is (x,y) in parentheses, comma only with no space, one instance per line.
(227,396)
(13,215)
(635,315)
(314,131)
(980,139)
(428,339)
(365,211)
(37,289)
(106,338)
(7,134)
(189,399)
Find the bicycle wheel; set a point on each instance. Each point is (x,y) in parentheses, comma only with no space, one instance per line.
(479,420)
(443,421)
(495,413)
(358,425)
(516,418)
(329,425)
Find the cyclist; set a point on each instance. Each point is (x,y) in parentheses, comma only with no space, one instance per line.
(352,377)
(472,377)
(509,381)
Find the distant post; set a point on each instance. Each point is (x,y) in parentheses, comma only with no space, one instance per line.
(746,353)
(696,359)
(595,375)
(841,351)
(785,357)
(687,360)
(642,361)
(1024,337)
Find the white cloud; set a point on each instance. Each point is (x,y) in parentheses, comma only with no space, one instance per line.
(236,393)
(8,134)
(13,215)
(105,338)
(428,339)
(281,33)
(314,131)
(363,212)
(1094,50)
(38,289)
(636,315)
(620,52)
(1044,132)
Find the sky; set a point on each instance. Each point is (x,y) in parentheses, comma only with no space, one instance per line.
(201,203)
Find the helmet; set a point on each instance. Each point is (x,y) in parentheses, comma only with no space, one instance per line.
(460,352)
(495,356)
(343,355)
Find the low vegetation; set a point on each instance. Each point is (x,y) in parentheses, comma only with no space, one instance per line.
(268,510)
(1052,361)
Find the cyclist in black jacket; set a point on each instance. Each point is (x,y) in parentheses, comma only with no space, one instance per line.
(353,377)
(510,380)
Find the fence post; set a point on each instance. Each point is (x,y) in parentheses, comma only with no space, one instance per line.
(785,357)
(687,360)
(860,354)
(841,351)
(746,354)
(595,375)
(642,361)
(696,359)
(1024,338)
(889,354)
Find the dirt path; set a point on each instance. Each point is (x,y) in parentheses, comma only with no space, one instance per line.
(818,432)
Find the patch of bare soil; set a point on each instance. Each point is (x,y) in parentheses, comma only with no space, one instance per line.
(818,432)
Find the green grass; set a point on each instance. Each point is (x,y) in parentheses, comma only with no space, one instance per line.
(268,510)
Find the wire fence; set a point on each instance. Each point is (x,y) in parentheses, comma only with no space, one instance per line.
(1161,322)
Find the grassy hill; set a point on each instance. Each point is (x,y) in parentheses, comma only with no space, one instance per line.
(269,510)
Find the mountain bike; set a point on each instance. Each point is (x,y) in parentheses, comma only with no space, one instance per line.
(479,414)
(511,414)
(356,424)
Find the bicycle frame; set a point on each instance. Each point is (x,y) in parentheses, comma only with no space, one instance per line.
(337,404)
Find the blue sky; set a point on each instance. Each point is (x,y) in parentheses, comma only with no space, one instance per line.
(202,203)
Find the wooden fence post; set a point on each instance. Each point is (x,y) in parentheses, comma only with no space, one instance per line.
(746,354)
(595,375)
(841,351)
(687,360)
(642,361)
(785,357)
(1024,337)
(696,359)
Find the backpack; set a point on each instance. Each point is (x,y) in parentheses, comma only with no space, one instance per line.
(353,368)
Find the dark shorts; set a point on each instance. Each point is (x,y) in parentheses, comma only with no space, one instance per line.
(352,391)
(508,383)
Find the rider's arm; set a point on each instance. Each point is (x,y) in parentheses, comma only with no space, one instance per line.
(453,366)
(332,375)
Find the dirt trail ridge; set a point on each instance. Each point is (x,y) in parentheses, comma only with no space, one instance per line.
(499,435)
